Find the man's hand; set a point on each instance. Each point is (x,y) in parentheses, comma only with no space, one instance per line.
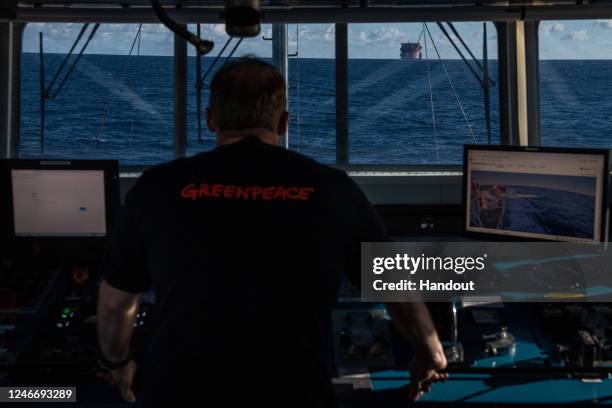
(122,379)
(414,321)
(425,370)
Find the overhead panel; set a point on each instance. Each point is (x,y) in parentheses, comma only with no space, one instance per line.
(314,11)
(313,3)
(8,9)
(269,4)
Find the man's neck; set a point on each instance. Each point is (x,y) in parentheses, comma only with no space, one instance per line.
(234,136)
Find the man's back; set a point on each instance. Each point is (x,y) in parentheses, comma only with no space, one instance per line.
(245,247)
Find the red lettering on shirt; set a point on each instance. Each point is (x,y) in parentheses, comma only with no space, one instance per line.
(204,191)
(236,192)
(189,192)
(280,193)
(268,193)
(242,193)
(217,190)
(292,193)
(228,192)
(256,192)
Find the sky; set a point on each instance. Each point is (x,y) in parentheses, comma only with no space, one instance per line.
(589,39)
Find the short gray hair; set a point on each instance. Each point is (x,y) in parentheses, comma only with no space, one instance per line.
(246,94)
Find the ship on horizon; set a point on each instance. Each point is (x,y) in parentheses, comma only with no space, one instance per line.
(411,51)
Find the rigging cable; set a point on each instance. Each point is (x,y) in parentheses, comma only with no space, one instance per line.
(198,87)
(43,93)
(200,80)
(231,54)
(420,35)
(112,100)
(76,61)
(485,71)
(451,85)
(63,64)
(452,27)
(433,112)
(201,83)
(447,35)
(482,66)
(138,87)
(297,55)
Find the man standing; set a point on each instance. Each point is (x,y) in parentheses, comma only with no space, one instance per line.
(245,247)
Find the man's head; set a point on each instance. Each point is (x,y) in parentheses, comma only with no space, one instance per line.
(247,97)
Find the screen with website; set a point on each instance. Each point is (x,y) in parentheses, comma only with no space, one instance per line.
(60,203)
(538,195)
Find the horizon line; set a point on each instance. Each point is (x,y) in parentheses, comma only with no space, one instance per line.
(313,58)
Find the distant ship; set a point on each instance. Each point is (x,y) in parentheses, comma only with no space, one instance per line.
(411,51)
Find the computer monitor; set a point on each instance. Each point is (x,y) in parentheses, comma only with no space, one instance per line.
(61,199)
(549,194)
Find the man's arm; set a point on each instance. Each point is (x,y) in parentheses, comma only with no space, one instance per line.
(414,321)
(116,315)
(412,318)
(124,277)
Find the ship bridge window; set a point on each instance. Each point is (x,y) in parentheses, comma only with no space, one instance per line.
(416,91)
(312,91)
(116,100)
(311,81)
(413,99)
(199,139)
(575,83)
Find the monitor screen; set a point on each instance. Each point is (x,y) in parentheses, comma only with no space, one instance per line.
(58,203)
(536,194)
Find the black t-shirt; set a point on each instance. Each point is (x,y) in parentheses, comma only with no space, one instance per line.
(244,247)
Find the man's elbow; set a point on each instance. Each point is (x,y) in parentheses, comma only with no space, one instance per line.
(113,302)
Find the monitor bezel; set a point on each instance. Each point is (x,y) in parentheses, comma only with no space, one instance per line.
(533,149)
(110,168)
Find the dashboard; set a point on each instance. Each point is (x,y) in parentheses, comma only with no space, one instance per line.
(526,354)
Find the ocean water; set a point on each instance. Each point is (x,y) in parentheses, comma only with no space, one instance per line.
(550,211)
(119,107)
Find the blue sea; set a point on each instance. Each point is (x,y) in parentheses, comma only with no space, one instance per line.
(122,107)
(550,211)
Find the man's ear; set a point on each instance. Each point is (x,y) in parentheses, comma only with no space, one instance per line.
(283,124)
(210,123)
